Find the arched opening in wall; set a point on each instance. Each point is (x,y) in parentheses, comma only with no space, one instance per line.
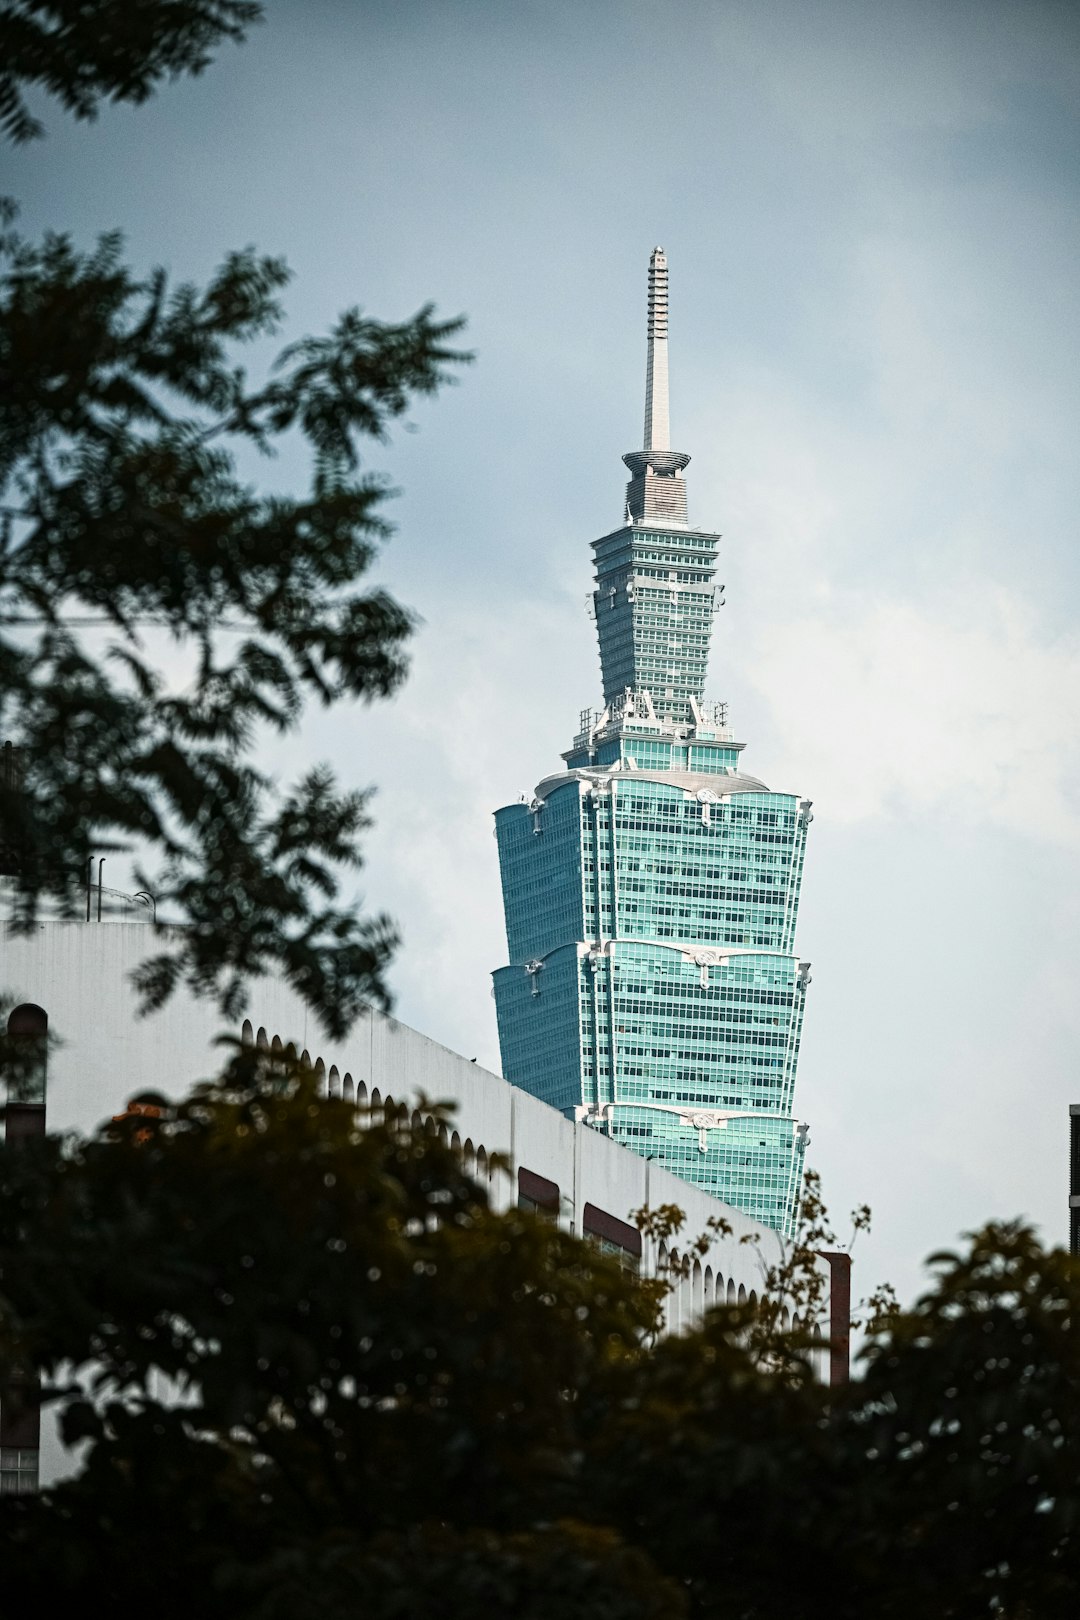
(431,1125)
(444,1135)
(469,1157)
(416,1121)
(675,1298)
(697,1291)
(333,1082)
(742,1294)
(376,1107)
(752,1300)
(361,1094)
(291,1055)
(785,1320)
(305,1059)
(455,1143)
(481,1163)
(820,1354)
(26,1071)
(710,1288)
(348,1087)
(730,1291)
(662,1275)
(393,1113)
(247,1034)
(320,1076)
(261,1039)
(276,1048)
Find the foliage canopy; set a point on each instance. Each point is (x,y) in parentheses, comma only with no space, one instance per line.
(319,1374)
(84,52)
(156,610)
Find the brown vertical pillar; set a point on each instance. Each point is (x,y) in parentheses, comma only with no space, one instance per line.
(24,1118)
(839,1315)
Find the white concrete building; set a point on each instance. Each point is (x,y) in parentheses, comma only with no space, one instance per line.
(78,974)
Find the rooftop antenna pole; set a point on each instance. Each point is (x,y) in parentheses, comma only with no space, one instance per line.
(657,420)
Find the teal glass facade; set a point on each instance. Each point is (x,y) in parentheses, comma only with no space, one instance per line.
(651,892)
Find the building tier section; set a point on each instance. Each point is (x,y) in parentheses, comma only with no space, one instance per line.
(654,605)
(652,980)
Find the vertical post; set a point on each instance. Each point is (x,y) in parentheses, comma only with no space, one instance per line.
(1074,1178)
(839,1315)
(100,869)
(24,1118)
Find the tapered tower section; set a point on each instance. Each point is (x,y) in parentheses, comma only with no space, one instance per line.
(651,886)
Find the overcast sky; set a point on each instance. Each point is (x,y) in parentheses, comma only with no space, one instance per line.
(870,214)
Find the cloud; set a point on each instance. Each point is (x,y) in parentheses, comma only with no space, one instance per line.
(894,708)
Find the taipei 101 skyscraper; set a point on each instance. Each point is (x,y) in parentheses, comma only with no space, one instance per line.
(651,887)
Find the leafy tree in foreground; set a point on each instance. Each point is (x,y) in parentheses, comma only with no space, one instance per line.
(122,409)
(124,414)
(87,51)
(396,1402)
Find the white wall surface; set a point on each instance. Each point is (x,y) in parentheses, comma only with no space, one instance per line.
(104,1052)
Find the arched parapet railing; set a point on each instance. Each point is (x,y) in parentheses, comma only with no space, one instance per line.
(675,1297)
(663,1273)
(697,1292)
(820,1353)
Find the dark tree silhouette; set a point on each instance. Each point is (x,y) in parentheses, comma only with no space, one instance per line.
(84,52)
(131,539)
(385,1399)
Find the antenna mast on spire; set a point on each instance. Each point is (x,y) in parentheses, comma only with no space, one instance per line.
(657,420)
(656,492)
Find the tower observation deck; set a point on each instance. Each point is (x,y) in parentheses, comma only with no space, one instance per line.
(651,886)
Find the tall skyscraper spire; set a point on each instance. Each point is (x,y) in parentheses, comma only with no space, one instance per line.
(657,416)
(656,492)
(651,886)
